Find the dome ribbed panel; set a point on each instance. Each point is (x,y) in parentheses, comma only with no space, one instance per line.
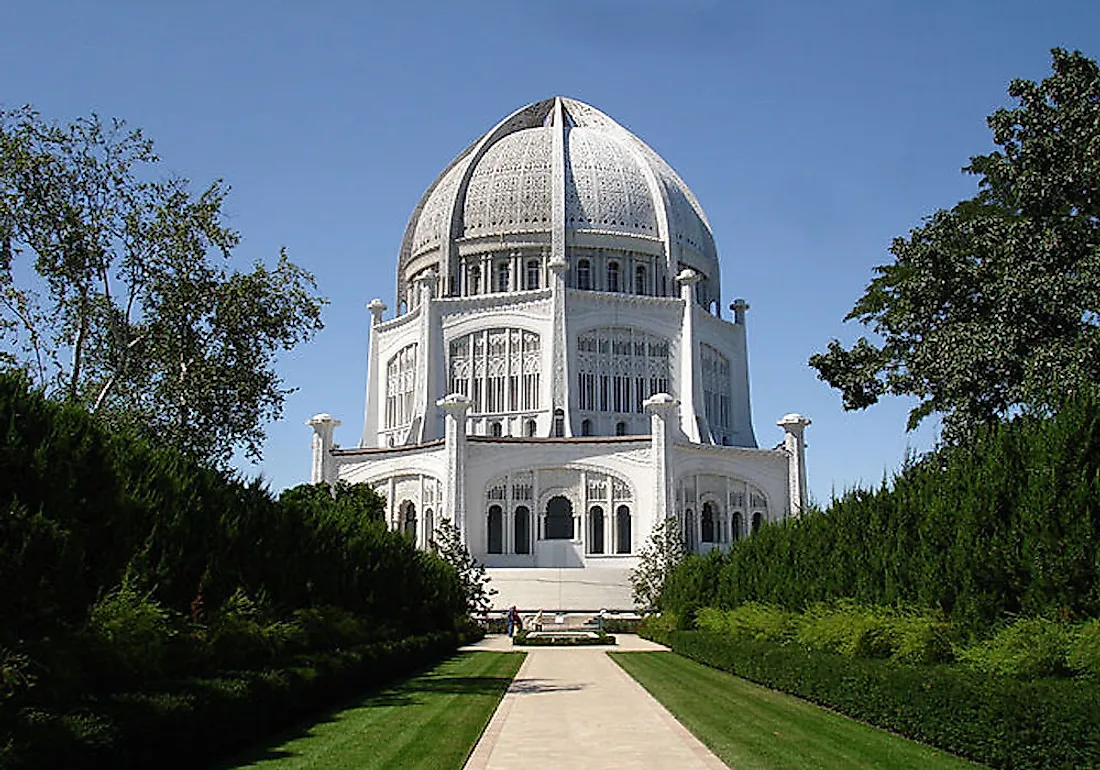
(605,188)
(432,222)
(509,190)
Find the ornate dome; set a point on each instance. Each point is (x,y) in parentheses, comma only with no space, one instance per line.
(559,171)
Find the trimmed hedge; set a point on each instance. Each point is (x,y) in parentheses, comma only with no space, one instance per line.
(1005,525)
(524,639)
(185,723)
(1000,721)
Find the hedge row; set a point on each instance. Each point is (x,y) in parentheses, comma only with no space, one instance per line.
(1006,524)
(1000,721)
(189,722)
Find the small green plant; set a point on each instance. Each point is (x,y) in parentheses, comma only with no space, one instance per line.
(132,628)
(1083,655)
(243,631)
(1026,648)
(656,628)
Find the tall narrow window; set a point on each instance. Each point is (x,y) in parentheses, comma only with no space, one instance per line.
(584,274)
(586,427)
(689,529)
(495,430)
(473,280)
(595,529)
(641,285)
(532,274)
(622,530)
(400,386)
(612,276)
(523,530)
(408,519)
(532,428)
(504,276)
(738,527)
(620,428)
(757,521)
(559,423)
(496,529)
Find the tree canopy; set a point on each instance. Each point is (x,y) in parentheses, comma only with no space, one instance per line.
(116,290)
(991,307)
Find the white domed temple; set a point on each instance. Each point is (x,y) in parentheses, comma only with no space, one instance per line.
(558,376)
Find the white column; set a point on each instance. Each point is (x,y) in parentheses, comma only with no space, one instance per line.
(324,465)
(375,381)
(424,423)
(454,409)
(690,385)
(662,409)
(794,426)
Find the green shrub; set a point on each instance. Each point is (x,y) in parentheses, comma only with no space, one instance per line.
(526,639)
(132,630)
(751,620)
(242,631)
(656,628)
(1026,648)
(1001,721)
(1083,656)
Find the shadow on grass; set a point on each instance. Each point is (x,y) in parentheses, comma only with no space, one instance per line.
(407,693)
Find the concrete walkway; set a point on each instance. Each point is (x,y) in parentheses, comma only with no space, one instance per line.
(573,707)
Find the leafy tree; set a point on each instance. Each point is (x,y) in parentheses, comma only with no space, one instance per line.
(664,549)
(450,546)
(115,291)
(990,308)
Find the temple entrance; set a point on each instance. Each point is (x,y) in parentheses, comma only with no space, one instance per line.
(559,519)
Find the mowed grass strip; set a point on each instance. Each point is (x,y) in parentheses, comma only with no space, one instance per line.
(430,721)
(749,726)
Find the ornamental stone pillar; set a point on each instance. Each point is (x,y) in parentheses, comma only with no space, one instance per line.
(425,427)
(663,417)
(454,409)
(324,464)
(794,425)
(374,384)
(691,395)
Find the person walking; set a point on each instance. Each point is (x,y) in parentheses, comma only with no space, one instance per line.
(512,618)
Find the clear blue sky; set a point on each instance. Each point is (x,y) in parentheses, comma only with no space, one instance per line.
(812,134)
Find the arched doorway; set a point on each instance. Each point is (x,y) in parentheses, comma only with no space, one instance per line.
(757,520)
(622,530)
(707,524)
(595,529)
(559,519)
(523,530)
(408,519)
(496,529)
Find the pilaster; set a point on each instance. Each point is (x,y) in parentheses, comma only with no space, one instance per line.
(375,385)
(662,410)
(691,395)
(424,428)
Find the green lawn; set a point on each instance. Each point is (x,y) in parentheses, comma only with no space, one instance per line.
(749,726)
(430,721)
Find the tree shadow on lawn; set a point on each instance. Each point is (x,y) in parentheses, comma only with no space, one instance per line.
(407,693)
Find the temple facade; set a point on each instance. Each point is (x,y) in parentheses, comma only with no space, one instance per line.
(558,376)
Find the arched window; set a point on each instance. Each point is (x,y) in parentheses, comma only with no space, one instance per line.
(619,367)
(504,275)
(622,530)
(495,429)
(498,369)
(738,526)
(584,274)
(757,520)
(689,529)
(408,519)
(429,527)
(523,530)
(473,280)
(641,283)
(531,428)
(716,392)
(533,274)
(586,427)
(496,529)
(559,423)
(400,386)
(613,276)
(595,529)
(620,428)
(559,519)
(707,528)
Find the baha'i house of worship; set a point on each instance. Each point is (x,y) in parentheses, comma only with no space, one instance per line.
(558,377)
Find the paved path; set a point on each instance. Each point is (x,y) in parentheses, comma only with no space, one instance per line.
(575,708)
